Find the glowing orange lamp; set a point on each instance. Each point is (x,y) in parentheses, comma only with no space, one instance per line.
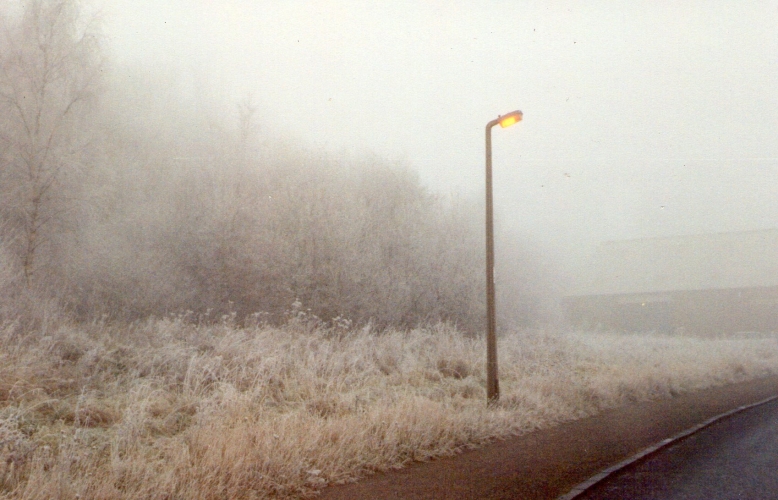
(510,119)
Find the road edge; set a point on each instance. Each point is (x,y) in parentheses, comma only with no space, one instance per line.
(582,487)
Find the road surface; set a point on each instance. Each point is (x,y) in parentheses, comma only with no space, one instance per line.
(734,458)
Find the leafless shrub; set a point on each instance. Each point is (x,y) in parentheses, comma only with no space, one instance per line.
(154,216)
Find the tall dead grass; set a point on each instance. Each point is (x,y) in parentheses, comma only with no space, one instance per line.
(171,409)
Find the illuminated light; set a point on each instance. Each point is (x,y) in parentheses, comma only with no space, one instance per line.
(510,119)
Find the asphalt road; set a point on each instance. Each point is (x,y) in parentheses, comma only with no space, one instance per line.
(544,464)
(734,458)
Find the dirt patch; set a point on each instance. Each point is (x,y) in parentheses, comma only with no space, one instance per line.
(546,464)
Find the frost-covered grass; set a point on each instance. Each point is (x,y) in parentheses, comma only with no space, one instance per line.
(169,409)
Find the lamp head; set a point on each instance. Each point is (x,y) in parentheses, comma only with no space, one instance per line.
(510,119)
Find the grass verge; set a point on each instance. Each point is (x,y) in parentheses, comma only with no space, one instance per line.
(168,409)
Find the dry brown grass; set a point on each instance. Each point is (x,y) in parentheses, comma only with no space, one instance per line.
(168,409)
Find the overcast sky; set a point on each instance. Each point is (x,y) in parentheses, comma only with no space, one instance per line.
(641,118)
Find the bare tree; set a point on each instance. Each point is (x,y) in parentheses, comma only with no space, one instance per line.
(50,67)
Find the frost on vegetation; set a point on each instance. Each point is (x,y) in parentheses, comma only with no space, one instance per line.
(180,406)
(16,449)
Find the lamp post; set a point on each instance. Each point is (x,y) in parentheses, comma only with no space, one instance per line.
(492,384)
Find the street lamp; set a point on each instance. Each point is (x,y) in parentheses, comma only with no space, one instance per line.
(492,384)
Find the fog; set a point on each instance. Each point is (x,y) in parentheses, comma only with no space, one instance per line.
(640,118)
(242,241)
(326,158)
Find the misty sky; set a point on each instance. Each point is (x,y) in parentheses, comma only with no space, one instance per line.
(641,118)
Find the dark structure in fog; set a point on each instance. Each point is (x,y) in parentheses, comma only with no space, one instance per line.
(704,284)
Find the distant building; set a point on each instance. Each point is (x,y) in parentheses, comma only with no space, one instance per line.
(704,284)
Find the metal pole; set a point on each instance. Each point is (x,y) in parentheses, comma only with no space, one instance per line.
(492,384)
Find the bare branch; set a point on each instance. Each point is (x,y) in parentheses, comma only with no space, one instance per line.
(50,67)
